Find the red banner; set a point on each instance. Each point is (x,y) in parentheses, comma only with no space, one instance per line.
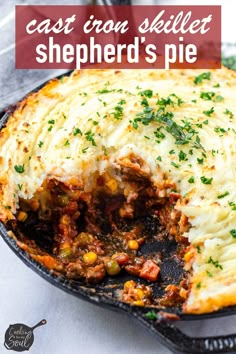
(118,37)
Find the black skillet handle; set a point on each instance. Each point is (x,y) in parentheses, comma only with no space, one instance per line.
(178,342)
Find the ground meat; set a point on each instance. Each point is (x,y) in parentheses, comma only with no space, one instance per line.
(94,235)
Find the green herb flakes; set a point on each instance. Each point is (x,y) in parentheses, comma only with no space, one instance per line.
(206,180)
(182,156)
(233,233)
(232,205)
(89,135)
(198,249)
(204,76)
(146,93)
(222,195)
(151,315)
(19,168)
(207,96)
(209,112)
(76,131)
(191,180)
(67,143)
(209,274)
(215,263)
(228,113)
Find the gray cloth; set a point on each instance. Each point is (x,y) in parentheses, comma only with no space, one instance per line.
(16,83)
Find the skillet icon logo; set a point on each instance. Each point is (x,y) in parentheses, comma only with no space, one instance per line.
(19,337)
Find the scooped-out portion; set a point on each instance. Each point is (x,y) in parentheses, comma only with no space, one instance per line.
(91,235)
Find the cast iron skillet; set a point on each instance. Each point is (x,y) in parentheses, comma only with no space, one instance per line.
(105,294)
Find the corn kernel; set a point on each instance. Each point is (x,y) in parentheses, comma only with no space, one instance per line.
(111,184)
(183,293)
(129,284)
(22,216)
(138,303)
(187,256)
(133,245)
(90,258)
(139,293)
(65,219)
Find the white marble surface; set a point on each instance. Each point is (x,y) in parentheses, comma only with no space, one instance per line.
(74,326)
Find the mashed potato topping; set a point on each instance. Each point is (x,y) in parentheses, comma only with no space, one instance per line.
(177,126)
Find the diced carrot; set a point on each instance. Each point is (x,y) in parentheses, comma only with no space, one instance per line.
(149,270)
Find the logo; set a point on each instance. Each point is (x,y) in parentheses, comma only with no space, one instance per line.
(20,337)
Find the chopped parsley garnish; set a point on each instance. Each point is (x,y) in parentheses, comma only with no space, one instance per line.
(229,113)
(144,102)
(232,205)
(158,134)
(200,161)
(151,315)
(199,285)
(182,156)
(159,158)
(50,128)
(191,179)
(194,101)
(183,134)
(170,102)
(172,152)
(174,164)
(205,122)
(19,168)
(222,195)
(206,180)
(90,137)
(204,76)
(7,206)
(146,93)
(199,249)
(233,233)
(20,186)
(67,143)
(105,90)
(209,273)
(40,144)
(84,150)
(77,131)
(219,98)
(121,102)
(52,121)
(64,116)
(207,96)
(219,130)
(216,85)
(209,112)
(215,263)
(118,112)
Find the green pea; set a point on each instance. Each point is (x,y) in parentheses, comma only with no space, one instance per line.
(112,267)
(65,252)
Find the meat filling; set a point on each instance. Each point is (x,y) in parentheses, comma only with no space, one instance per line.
(92,235)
